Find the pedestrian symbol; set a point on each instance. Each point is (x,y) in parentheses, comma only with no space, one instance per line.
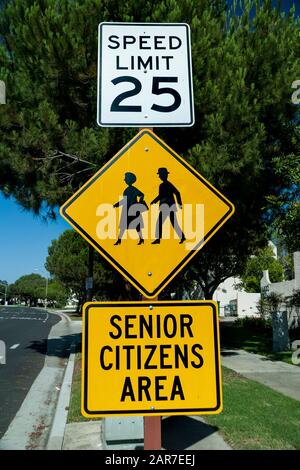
(147,212)
(130,205)
(167,206)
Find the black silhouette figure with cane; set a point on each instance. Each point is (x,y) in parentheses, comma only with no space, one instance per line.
(167,206)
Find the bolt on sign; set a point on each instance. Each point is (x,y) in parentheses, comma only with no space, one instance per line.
(143,358)
(144,75)
(147,212)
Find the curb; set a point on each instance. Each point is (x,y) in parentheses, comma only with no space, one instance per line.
(56,437)
(30,427)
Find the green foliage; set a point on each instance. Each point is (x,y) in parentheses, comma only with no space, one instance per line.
(29,288)
(242,72)
(255,417)
(3,290)
(294,299)
(57,294)
(32,288)
(287,262)
(67,261)
(274,302)
(252,323)
(286,205)
(74,412)
(255,265)
(269,304)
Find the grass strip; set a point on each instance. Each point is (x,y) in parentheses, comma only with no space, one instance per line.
(74,414)
(255,340)
(256,417)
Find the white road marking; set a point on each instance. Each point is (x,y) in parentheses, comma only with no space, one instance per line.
(25,318)
(15,346)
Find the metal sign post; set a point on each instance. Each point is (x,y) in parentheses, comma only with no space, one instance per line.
(148,224)
(152,432)
(152,424)
(90,275)
(152,427)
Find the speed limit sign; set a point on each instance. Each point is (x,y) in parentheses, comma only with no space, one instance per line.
(145,75)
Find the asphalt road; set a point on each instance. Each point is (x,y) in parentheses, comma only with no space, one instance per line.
(24,331)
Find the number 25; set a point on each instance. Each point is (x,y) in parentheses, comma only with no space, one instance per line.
(156,90)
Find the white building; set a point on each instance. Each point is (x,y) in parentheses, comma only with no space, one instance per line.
(234,301)
(284,288)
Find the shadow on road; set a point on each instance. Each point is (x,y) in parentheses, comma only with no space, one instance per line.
(181,432)
(230,352)
(58,347)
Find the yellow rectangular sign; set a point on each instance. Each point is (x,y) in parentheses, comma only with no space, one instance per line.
(151,358)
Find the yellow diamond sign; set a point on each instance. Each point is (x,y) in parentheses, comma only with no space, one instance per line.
(147,212)
(151,358)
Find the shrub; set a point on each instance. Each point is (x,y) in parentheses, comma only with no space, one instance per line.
(253,323)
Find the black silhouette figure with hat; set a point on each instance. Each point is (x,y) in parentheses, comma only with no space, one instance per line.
(167,206)
(132,209)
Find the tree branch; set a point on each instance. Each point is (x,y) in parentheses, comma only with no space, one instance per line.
(59,154)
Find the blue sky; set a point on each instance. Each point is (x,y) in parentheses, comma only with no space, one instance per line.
(285,4)
(24,240)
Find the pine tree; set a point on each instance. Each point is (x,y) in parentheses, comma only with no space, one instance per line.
(244,61)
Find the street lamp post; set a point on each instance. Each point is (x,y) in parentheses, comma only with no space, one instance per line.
(5,291)
(46,291)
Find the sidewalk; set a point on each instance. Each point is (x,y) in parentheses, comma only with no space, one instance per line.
(178,432)
(279,376)
(191,432)
(30,427)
